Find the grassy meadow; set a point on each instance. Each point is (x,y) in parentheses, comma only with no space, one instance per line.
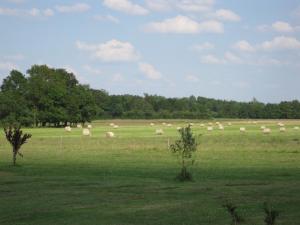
(67,178)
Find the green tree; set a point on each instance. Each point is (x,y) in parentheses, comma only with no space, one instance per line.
(184,148)
(15,137)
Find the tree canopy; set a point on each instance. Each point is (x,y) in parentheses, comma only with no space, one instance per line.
(53,97)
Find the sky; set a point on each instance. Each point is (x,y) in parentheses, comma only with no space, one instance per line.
(230,49)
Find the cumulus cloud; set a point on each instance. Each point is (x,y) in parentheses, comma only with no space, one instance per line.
(244,46)
(232,58)
(34,12)
(7,66)
(109,18)
(150,71)
(185,25)
(75,8)
(111,51)
(158,5)
(280,26)
(227,15)
(194,5)
(211,59)
(281,43)
(204,46)
(125,6)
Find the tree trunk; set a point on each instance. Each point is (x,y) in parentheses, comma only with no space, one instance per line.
(14,157)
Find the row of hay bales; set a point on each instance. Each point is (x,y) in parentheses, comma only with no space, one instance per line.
(210,127)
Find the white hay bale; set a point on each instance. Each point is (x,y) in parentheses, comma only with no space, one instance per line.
(263,127)
(280,124)
(111,124)
(79,126)
(282,129)
(116,126)
(296,128)
(68,128)
(159,131)
(210,124)
(178,128)
(221,127)
(217,123)
(152,124)
(229,124)
(109,134)
(210,128)
(254,122)
(164,123)
(86,132)
(242,129)
(169,125)
(191,124)
(202,125)
(266,131)
(89,126)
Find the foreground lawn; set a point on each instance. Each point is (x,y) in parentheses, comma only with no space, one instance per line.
(65,178)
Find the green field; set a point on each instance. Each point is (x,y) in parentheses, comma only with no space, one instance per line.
(67,178)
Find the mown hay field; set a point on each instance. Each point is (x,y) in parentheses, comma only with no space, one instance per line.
(67,178)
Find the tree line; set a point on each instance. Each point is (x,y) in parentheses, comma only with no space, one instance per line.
(54,97)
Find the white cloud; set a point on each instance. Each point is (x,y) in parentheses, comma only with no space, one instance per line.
(211,59)
(204,46)
(7,66)
(158,5)
(9,12)
(70,69)
(109,18)
(232,58)
(125,6)
(244,46)
(185,25)
(192,78)
(75,8)
(92,70)
(280,26)
(281,43)
(194,5)
(111,51)
(150,71)
(48,12)
(34,12)
(227,15)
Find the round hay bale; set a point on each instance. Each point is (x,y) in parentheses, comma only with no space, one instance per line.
(86,132)
(109,134)
(68,128)
(159,132)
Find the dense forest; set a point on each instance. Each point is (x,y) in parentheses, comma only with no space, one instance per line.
(54,97)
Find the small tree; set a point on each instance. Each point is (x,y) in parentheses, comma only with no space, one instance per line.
(184,148)
(271,215)
(16,139)
(235,217)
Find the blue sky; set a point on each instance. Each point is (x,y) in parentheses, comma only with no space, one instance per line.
(231,49)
